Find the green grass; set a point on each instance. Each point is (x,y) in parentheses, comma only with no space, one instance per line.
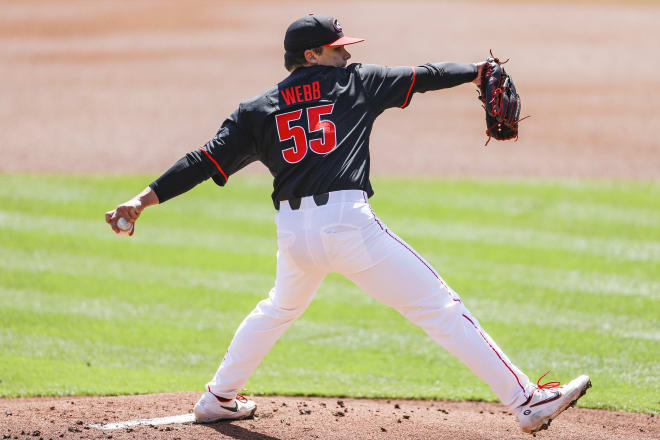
(565,275)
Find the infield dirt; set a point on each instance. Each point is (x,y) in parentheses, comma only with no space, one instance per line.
(307,418)
(127,87)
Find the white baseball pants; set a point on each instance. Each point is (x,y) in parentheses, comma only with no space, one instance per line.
(345,236)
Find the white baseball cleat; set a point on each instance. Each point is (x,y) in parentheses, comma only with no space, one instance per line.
(548,401)
(210,408)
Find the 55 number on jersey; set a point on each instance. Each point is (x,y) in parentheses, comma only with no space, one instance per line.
(288,129)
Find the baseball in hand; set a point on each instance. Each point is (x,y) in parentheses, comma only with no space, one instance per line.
(125,227)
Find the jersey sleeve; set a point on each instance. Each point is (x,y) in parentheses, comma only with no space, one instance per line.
(387,87)
(394,86)
(438,76)
(230,150)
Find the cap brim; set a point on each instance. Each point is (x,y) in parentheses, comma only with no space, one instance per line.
(343,41)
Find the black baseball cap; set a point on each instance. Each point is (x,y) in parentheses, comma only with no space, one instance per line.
(315,31)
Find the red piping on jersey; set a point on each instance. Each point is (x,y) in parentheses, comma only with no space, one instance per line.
(216,164)
(405,103)
(498,355)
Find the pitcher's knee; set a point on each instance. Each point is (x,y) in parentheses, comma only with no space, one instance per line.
(442,316)
(269,308)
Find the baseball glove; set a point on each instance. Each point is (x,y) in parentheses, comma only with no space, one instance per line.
(500,100)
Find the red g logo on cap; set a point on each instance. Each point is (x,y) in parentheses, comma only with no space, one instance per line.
(336,25)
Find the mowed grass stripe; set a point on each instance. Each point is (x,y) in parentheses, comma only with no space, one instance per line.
(81,345)
(89,198)
(619,249)
(129,266)
(532,238)
(97,352)
(606,324)
(229,285)
(333,290)
(543,206)
(571,280)
(526,276)
(83,235)
(103,354)
(132,269)
(537,204)
(550,298)
(200,318)
(620,209)
(30,372)
(219,240)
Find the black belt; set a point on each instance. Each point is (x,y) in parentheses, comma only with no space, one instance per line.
(319,199)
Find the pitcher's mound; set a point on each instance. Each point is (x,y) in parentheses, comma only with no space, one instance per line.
(299,418)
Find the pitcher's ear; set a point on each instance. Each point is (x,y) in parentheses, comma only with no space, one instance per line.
(310,57)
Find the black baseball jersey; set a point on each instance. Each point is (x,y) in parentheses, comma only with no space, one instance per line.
(311,130)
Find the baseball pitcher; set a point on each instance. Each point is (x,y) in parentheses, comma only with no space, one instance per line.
(311,131)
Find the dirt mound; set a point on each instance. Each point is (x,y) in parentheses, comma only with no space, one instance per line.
(304,418)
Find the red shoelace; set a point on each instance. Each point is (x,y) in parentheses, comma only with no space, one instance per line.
(547,385)
(238,397)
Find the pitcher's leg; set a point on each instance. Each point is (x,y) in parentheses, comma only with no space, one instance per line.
(294,289)
(406,282)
